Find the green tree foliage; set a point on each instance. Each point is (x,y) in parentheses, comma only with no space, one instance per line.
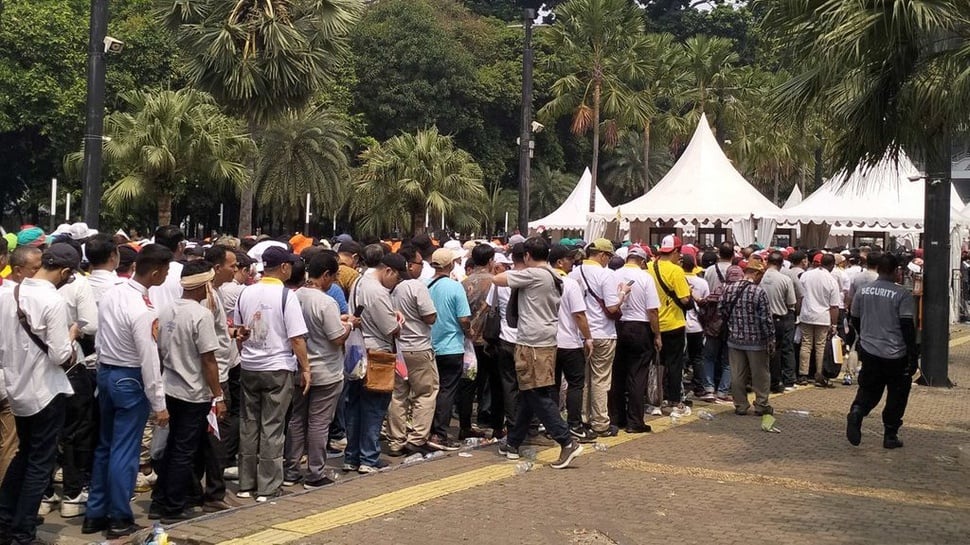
(304,152)
(166,139)
(261,58)
(409,175)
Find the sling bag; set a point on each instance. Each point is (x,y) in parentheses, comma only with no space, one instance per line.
(609,314)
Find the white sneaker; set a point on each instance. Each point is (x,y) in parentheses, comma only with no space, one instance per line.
(244,494)
(680,411)
(74,507)
(654,411)
(47,504)
(231,473)
(144,483)
(339,444)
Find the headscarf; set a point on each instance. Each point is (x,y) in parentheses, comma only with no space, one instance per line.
(31,236)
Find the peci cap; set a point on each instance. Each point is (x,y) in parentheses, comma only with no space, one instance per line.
(670,243)
(61,256)
(397,263)
(601,245)
(275,256)
(442,257)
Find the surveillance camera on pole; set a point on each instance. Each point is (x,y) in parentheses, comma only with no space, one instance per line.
(112,45)
(537,127)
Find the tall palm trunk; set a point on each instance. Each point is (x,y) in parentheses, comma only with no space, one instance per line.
(596,143)
(164,209)
(248,190)
(417,224)
(646,156)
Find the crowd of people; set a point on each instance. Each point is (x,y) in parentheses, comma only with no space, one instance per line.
(173,366)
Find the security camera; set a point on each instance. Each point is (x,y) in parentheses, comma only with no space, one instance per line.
(537,127)
(112,45)
(916,178)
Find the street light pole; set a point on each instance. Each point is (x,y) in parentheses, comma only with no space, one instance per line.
(935,347)
(94,122)
(525,136)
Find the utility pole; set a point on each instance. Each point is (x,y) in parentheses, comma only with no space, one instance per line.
(94,122)
(525,136)
(936,270)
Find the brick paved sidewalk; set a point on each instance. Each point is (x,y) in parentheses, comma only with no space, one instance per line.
(722,480)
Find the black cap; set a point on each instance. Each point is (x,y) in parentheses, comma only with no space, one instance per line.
(275,256)
(560,251)
(126,254)
(398,263)
(61,256)
(350,247)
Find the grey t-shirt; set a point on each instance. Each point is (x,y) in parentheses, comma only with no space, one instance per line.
(413,299)
(780,290)
(378,321)
(795,274)
(186,331)
(538,306)
(322,316)
(228,353)
(861,279)
(710,274)
(880,305)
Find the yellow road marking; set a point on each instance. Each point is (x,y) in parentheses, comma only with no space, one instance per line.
(959,340)
(885,494)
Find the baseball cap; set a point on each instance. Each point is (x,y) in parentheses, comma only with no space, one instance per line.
(442,257)
(456,248)
(689,249)
(561,251)
(601,245)
(126,254)
(502,259)
(81,231)
(300,242)
(516,239)
(638,251)
(670,243)
(61,256)
(275,256)
(343,238)
(397,263)
(754,264)
(818,258)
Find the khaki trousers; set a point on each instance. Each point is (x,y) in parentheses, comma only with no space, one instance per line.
(599,377)
(756,365)
(8,437)
(415,396)
(814,338)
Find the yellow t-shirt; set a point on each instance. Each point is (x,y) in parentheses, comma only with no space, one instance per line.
(671,316)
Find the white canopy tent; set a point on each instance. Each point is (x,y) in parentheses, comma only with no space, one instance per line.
(572,213)
(794,198)
(703,187)
(878,198)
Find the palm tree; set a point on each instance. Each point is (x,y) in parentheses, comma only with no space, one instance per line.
(894,75)
(304,152)
(167,138)
(623,170)
(410,175)
(499,203)
(549,189)
(261,58)
(594,41)
(711,65)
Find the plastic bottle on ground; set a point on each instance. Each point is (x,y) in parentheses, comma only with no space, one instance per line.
(600,447)
(434,455)
(413,459)
(528,453)
(522,468)
(799,412)
(705,415)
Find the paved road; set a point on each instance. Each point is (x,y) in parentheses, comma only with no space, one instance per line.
(723,481)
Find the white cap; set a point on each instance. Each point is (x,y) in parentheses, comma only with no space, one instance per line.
(502,258)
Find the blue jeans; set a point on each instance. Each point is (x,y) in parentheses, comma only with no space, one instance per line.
(124,412)
(539,403)
(716,353)
(30,471)
(363,417)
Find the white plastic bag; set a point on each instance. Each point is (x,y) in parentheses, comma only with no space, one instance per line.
(355,356)
(159,442)
(469,363)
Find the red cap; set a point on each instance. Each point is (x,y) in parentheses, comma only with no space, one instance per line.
(785,252)
(689,249)
(818,258)
(670,243)
(743,264)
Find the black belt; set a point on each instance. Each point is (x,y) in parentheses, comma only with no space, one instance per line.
(780,316)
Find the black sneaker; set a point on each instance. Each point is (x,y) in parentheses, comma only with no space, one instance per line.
(313,485)
(583,435)
(418,449)
(291,480)
(612,431)
(853,428)
(802,380)
(891,441)
(567,454)
(510,452)
(471,432)
(94,525)
(638,429)
(443,443)
(178,517)
(119,529)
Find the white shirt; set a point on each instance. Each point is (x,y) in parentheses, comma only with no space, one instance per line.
(82,307)
(127,336)
(170,290)
(101,281)
(427,271)
(820,292)
(599,281)
(32,378)
(840,277)
(573,300)
(6,285)
(643,293)
(699,290)
(260,309)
